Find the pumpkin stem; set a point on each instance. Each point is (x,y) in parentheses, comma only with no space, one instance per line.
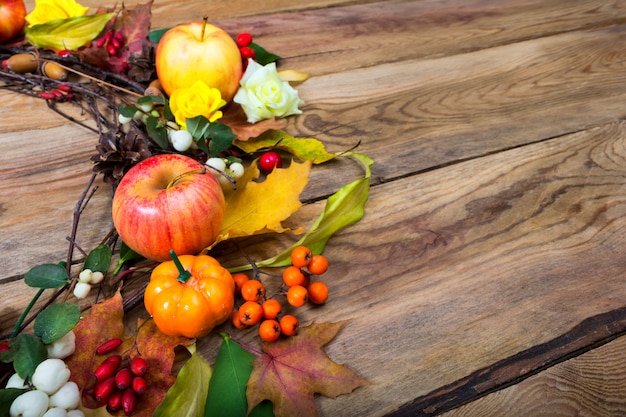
(184,275)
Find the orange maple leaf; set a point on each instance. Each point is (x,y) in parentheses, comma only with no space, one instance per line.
(292,370)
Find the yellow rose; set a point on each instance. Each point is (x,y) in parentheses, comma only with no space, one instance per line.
(196,100)
(264,95)
(47,10)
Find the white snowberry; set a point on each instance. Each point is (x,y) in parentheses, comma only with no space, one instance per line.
(62,347)
(75,413)
(181,140)
(15,381)
(50,375)
(217,163)
(81,289)
(56,412)
(123,119)
(236,169)
(85,275)
(96,277)
(67,397)
(30,404)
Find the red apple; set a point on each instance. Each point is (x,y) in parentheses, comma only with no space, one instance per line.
(198,51)
(168,202)
(12,18)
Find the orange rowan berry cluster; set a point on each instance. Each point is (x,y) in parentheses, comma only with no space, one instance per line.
(298,288)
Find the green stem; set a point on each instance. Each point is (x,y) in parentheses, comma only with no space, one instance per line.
(184,275)
(16,329)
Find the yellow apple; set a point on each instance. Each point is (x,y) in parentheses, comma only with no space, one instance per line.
(198,51)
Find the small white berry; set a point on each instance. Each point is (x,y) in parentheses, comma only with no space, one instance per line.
(15,381)
(67,397)
(236,169)
(50,375)
(96,278)
(30,404)
(75,413)
(62,347)
(56,412)
(181,140)
(123,119)
(81,289)
(85,275)
(217,163)
(145,107)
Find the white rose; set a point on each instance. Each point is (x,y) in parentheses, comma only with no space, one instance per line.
(264,95)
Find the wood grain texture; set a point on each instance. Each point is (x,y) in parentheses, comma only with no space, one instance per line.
(593,384)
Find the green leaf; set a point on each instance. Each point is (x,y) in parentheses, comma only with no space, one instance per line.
(262,56)
(126,111)
(126,254)
(70,33)
(221,138)
(55,321)
(187,397)
(345,207)
(156,35)
(29,352)
(46,276)
(227,390)
(99,259)
(198,127)
(305,149)
(7,396)
(157,132)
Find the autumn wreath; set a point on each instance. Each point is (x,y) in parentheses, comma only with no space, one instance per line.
(190,123)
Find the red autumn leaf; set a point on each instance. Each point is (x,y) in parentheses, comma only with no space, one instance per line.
(292,370)
(134,26)
(104,323)
(158,349)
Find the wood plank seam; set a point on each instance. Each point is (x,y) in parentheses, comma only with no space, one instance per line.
(587,335)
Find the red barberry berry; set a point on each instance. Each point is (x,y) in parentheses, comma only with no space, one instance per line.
(108,346)
(138,366)
(243,39)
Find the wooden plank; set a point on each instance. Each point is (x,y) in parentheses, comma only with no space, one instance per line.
(591,384)
(592,332)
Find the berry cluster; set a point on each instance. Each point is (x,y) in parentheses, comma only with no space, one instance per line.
(298,288)
(118,382)
(112,40)
(244,40)
(63,92)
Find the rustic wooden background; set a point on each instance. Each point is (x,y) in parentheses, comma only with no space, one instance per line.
(495,223)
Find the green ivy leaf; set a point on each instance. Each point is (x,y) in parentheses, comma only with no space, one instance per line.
(29,352)
(262,56)
(99,259)
(46,276)
(227,390)
(157,132)
(345,207)
(221,138)
(70,33)
(305,149)
(7,396)
(156,35)
(187,397)
(55,321)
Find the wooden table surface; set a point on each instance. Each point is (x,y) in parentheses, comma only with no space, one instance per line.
(489,267)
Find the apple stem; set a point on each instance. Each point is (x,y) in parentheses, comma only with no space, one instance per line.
(184,275)
(183,175)
(204,22)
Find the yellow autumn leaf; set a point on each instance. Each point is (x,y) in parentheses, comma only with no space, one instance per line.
(71,33)
(260,207)
(303,148)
